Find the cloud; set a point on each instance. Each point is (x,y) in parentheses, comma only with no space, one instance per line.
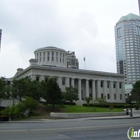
(86,27)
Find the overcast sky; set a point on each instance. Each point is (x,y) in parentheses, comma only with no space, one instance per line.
(83,26)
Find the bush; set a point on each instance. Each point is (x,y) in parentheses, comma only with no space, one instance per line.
(115,105)
(19,110)
(69,103)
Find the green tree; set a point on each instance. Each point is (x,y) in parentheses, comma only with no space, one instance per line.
(35,90)
(101,100)
(19,110)
(20,88)
(71,94)
(4,89)
(135,93)
(53,92)
(88,99)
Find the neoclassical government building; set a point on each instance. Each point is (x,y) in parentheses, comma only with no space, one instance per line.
(64,66)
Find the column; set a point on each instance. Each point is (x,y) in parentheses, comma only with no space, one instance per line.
(111,91)
(79,89)
(104,89)
(123,91)
(117,92)
(33,77)
(87,88)
(98,89)
(41,78)
(93,90)
(72,82)
(59,81)
(67,81)
(50,56)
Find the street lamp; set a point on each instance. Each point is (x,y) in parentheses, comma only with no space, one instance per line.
(131,115)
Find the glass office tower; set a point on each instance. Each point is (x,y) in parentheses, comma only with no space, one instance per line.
(127,41)
(0,37)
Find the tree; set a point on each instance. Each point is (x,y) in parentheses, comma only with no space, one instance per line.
(4,89)
(101,100)
(35,90)
(20,88)
(136,92)
(53,92)
(21,109)
(71,94)
(88,99)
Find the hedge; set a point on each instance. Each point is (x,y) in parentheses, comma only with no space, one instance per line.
(115,105)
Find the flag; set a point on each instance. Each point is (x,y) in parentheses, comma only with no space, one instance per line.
(84,59)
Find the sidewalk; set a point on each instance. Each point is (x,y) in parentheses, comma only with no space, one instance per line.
(136,114)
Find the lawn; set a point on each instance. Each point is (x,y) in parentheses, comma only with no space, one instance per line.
(82,109)
(43,111)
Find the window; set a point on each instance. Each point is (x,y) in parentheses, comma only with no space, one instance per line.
(119,32)
(101,83)
(138,30)
(37,78)
(102,95)
(114,96)
(43,56)
(120,85)
(63,81)
(52,56)
(107,84)
(48,56)
(120,96)
(108,96)
(114,85)
(46,79)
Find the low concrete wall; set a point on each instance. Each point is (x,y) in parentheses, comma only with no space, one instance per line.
(84,115)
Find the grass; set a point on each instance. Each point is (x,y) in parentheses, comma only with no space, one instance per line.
(84,109)
(43,111)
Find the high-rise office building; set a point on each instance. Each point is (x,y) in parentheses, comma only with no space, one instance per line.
(127,41)
(139,6)
(0,37)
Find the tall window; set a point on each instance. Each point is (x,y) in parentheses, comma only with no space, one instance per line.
(119,32)
(108,96)
(114,85)
(48,56)
(138,30)
(120,96)
(63,81)
(114,96)
(107,84)
(120,85)
(43,56)
(52,56)
(40,56)
(101,83)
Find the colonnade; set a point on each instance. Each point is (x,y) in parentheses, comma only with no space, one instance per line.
(93,88)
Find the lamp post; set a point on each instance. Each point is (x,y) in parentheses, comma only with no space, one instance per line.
(131,115)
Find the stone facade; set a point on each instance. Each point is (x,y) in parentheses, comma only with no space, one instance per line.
(89,83)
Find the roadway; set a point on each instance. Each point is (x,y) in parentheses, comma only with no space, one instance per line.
(72,129)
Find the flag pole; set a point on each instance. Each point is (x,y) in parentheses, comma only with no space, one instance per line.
(84,63)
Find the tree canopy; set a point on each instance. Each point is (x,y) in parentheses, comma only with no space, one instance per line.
(20,88)
(4,88)
(53,92)
(71,94)
(135,93)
